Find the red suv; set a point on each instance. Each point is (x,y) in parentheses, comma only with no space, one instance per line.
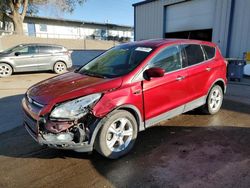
(105,103)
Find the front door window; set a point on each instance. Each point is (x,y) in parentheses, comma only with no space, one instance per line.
(169,59)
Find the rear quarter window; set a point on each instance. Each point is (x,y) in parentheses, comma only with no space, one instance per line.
(57,49)
(210,51)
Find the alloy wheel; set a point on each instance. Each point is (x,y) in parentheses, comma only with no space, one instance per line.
(60,68)
(119,135)
(5,70)
(215,99)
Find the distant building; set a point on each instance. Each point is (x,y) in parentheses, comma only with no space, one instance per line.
(225,22)
(71,29)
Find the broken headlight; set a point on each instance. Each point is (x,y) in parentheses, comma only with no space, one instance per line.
(74,109)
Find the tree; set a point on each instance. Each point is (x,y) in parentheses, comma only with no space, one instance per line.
(16,10)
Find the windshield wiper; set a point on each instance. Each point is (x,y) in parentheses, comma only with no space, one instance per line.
(93,74)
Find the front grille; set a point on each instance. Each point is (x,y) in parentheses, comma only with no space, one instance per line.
(33,105)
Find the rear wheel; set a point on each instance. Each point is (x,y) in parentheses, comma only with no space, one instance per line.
(214,100)
(117,135)
(5,70)
(60,67)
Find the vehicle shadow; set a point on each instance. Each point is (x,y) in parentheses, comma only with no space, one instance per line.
(162,157)
(10,112)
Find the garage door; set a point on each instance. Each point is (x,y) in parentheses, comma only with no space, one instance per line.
(191,15)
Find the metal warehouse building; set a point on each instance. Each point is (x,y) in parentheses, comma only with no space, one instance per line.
(225,22)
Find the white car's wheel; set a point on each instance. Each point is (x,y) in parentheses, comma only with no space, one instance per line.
(60,67)
(118,134)
(5,70)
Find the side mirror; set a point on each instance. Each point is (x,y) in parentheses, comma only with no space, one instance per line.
(154,73)
(17,53)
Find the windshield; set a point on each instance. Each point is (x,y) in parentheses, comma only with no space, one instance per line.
(12,49)
(116,62)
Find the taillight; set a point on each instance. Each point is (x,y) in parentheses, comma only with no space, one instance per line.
(226,62)
(68,53)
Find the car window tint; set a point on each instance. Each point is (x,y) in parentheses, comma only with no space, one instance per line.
(169,59)
(210,51)
(194,54)
(28,50)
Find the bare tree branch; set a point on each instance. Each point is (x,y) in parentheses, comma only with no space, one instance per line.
(16,10)
(11,5)
(25,7)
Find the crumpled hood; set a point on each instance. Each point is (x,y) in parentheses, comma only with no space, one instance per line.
(69,86)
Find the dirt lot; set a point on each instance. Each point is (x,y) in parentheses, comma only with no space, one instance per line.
(191,150)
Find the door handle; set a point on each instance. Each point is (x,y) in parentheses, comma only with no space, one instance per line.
(208,69)
(179,78)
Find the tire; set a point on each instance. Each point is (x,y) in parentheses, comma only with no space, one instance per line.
(117,134)
(214,100)
(5,70)
(60,67)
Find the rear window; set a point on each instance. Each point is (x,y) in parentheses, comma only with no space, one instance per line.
(194,54)
(210,51)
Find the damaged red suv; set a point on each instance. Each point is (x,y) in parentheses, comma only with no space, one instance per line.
(104,104)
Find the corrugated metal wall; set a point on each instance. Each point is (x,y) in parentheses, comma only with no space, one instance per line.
(230,31)
(221,24)
(149,19)
(240,33)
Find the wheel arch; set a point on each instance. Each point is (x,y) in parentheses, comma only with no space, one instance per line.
(13,69)
(219,82)
(131,109)
(136,113)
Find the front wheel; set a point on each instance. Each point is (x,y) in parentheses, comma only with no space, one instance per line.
(5,70)
(117,135)
(214,100)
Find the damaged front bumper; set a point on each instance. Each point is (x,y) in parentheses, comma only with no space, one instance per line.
(76,137)
(50,140)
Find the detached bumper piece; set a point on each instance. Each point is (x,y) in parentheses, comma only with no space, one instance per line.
(71,140)
(59,141)
(63,141)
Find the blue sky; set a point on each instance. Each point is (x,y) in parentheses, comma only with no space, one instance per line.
(115,11)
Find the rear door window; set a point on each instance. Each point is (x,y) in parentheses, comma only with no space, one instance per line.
(169,59)
(194,54)
(210,51)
